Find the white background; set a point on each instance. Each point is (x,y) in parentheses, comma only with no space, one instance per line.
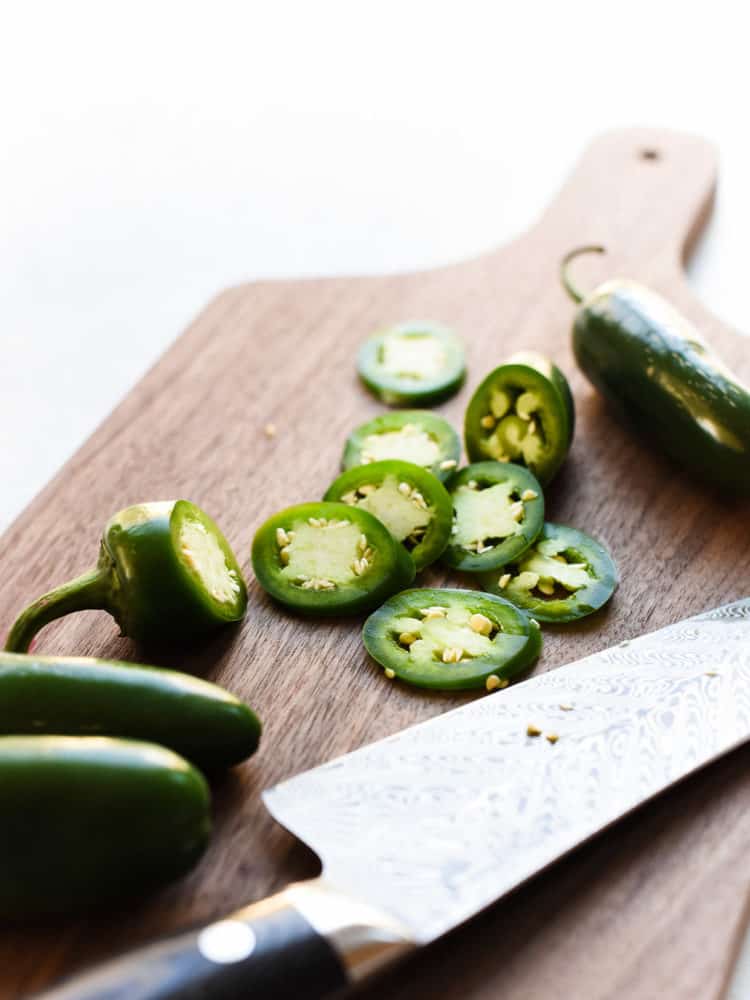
(151,153)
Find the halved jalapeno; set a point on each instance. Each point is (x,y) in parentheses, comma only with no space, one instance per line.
(498,511)
(522,412)
(563,576)
(329,559)
(409,501)
(450,639)
(416,436)
(412,363)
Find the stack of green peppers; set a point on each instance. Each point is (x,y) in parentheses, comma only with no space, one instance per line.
(101,782)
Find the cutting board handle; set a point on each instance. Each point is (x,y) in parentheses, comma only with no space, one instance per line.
(307,941)
(645,194)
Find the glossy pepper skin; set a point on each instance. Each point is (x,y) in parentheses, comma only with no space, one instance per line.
(663,379)
(88,821)
(82,696)
(147,578)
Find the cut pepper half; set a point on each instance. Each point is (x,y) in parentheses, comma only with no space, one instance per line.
(451,639)
(522,412)
(563,576)
(498,511)
(410,502)
(329,559)
(165,573)
(412,363)
(416,436)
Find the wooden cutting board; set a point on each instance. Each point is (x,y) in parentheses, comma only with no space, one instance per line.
(652,908)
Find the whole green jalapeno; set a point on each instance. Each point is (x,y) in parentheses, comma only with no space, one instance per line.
(165,573)
(662,378)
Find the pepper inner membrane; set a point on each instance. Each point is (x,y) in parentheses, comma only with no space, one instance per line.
(322,554)
(486,516)
(549,571)
(397,504)
(447,635)
(514,425)
(417,356)
(201,552)
(407,444)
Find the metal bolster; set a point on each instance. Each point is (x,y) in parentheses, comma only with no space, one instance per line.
(364,938)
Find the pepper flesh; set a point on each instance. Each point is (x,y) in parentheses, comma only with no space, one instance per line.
(165,573)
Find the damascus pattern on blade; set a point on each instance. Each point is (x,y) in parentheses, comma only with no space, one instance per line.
(438,821)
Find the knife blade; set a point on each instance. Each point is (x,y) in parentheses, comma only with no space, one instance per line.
(424,829)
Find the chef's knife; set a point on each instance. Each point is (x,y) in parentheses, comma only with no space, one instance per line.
(422,830)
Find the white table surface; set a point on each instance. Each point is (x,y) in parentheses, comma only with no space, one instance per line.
(152,153)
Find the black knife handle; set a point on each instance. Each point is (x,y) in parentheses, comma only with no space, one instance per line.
(268,951)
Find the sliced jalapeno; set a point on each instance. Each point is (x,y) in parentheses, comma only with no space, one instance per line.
(412,363)
(449,639)
(165,573)
(498,511)
(416,436)
(410,502)
(329,559)
(522,412)
(565,575)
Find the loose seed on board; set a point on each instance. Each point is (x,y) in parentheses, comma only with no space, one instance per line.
(566,708)
(390,674)
(270,430)
(532,730)
(552,737)
(492,683)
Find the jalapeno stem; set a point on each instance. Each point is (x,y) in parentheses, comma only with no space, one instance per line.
(567,284)
(91,591)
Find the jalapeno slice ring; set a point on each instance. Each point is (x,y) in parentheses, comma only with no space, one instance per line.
(412,363)
(498,511)
(522,412)
(329,559)
(563,576)
(451,639)
(409,501)
(416,436)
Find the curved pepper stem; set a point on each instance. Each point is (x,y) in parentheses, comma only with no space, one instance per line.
(91,591)
(567,284)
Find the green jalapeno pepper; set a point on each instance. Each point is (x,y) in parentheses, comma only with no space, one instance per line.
(563,576)
(409,501)
(89,820)
(329,559)
(418,363)
(165,573)
(498,510)
(451,639)
(522,412)
(663,379)
(416,436)
(66,696)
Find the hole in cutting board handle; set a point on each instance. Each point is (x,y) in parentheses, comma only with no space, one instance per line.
(649,154)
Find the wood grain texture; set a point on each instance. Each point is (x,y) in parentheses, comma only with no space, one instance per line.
(648,910)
